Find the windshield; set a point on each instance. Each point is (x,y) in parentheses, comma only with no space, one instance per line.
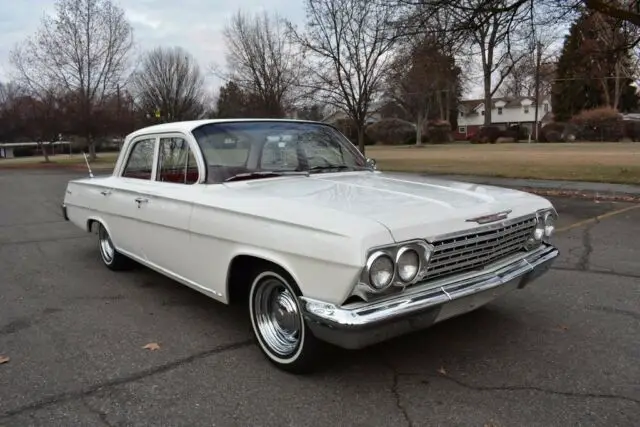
(248,150)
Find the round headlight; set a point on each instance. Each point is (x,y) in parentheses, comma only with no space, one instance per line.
(549,224)
(408,264)
(538,233)
(381,272)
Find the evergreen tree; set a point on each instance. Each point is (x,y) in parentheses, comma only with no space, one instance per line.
(587,68)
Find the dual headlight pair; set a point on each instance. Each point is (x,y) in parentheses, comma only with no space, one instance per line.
(399,265)
(407,262)
(545,226)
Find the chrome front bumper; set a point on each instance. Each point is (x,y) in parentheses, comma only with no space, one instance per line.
(422,306)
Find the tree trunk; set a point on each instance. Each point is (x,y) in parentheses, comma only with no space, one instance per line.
(616,90)
(361,138)
(92,148)
(447,111)
(45,152)
(487,99)
(419,120)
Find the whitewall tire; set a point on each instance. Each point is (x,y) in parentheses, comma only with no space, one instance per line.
(278,325)
(113,259)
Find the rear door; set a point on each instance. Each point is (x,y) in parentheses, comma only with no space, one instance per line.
(128,194)
(166,211)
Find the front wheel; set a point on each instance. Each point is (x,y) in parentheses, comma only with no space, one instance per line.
(278,324)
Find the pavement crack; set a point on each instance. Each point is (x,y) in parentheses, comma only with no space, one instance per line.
(90,390)
(536,389)
(613,310)
(101,415)
(398,398)
(592,271)
(585,259)
(26,242)
(396,393)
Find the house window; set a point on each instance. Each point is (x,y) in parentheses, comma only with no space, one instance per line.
(461,113)
(482,112)
(499,110)
(462,129)
(526,109)
(546,108)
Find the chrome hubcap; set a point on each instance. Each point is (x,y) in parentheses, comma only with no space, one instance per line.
(277,317)
(106,246)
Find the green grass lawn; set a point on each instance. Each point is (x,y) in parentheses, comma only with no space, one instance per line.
(598,162)
(103,161)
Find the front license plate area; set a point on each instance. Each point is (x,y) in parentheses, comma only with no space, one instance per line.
(474,301)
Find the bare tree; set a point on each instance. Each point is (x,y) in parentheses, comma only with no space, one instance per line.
(263,61)
(169,82)
(423,81)
(495,36)
(349,43)
(82,50)
(521,81)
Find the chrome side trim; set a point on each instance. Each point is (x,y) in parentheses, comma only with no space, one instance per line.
(363,324)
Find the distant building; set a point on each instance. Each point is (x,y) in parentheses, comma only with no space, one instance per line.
(505,112)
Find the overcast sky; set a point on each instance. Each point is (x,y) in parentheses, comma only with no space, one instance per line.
(196,25)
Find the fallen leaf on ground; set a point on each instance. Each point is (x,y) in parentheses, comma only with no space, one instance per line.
(4,359)
(442,371)
(152,346)
(563,327)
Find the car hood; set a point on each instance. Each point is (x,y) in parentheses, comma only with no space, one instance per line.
(408,205)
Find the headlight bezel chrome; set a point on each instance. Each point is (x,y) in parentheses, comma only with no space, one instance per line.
(544,229)
(394,252)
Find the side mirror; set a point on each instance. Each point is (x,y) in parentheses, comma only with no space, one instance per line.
(371,163)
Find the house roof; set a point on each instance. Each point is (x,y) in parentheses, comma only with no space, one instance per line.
(510,101)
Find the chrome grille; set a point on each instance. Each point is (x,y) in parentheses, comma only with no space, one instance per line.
(478,248)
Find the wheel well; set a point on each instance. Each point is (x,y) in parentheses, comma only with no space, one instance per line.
(241,271)
(90,224)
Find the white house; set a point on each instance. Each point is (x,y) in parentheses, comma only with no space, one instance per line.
(505,112)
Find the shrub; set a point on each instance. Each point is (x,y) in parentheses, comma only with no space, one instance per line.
(486,134)
(391,131)
(348,128)
(632,130)
(438,131)
(599,124)
(552,132)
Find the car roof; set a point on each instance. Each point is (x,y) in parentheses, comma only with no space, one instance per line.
(187,126)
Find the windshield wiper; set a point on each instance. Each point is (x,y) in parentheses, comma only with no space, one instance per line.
(264,174)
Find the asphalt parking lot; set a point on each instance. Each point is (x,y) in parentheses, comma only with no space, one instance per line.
(564,351)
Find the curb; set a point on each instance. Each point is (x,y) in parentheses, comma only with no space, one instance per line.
(581,194)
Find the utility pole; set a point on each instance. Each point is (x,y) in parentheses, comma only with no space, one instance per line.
(537,98)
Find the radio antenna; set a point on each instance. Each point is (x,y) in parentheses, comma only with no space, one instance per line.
(87,162)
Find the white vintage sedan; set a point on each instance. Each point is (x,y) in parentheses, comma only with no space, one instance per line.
(289,218)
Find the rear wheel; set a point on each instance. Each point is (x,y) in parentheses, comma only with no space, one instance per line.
(278,324)
(113,259)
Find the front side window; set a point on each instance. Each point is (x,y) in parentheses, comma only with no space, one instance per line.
(176,162)
(248,149)
(140,162)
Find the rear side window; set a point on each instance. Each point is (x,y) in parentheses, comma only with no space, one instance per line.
(140,162)
(176,163)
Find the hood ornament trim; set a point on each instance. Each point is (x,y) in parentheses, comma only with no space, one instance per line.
(491,217)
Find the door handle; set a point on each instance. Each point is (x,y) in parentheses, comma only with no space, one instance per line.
(140,200)
(105,192)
